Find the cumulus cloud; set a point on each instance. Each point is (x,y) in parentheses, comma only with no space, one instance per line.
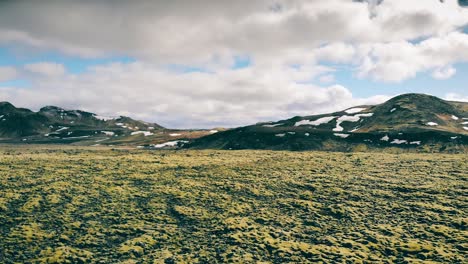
(7,73)
(197,30)
(338,52)
(398,61)
(193,99)
(49,69)
(291,46)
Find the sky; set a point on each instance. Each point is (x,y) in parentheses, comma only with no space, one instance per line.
(220,63)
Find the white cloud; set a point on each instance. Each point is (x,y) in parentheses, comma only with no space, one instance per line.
(456,97)
(7,73)
(375,35)
(195,99)
(398,61)
(336,52)
(207,30)
(290,44)
(49,69)
(443,73)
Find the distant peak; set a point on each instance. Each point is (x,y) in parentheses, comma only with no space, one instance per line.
(6,106)
(50,108)
(4,103)
(415,96)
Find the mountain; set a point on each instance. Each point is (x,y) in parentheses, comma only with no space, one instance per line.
(412,121)
(53,124)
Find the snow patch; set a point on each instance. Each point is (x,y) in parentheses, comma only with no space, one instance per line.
(104,118)
(399,141)
(280,135)
(146,133)
(292,133)
(169,144)
(306,134)
(174,135)
(355,110)
(213,131)
(385,138)
(466,128)
(432,124)
(341,135)
(455,117)
(322,120)
(273,125)
(453,137)
(61,129)
(347,118)
(76,137)
(393,110)
(415,143)
(108,133)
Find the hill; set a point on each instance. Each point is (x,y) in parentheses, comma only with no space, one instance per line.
(55,125)
(415,121)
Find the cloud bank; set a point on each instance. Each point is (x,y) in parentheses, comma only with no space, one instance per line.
(186,71)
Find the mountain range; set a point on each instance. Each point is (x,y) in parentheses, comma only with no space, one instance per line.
(55,125)
(411,121)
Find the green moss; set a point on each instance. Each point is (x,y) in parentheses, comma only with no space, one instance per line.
(129,206)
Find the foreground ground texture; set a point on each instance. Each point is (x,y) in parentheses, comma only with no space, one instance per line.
(135,206)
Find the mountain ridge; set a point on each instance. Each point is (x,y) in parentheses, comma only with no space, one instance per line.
(56,125)
(416,121)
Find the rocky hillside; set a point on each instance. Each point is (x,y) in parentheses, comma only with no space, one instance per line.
(416,121)
(55,125)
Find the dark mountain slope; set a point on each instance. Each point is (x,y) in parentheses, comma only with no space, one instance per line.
(413,113)
(55,125)
(407,121)
(52,121)
(19,122)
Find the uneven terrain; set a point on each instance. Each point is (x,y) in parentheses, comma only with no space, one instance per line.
(420,122)
(101,205)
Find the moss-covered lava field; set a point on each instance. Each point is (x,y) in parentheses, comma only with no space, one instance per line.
(68,205)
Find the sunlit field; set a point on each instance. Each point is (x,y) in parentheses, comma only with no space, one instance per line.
(94,205)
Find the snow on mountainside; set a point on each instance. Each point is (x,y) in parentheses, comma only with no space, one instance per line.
(51,125)
(406,121)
